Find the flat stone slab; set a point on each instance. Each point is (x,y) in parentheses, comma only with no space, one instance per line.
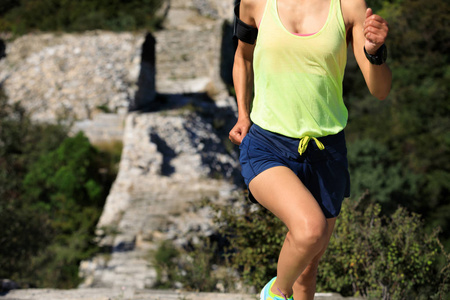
(131,294)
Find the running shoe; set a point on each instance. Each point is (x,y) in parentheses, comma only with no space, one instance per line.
(266,293)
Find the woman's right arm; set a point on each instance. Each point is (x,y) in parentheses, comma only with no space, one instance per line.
(243,77)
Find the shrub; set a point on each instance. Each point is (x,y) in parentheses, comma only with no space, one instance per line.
(52,190)
(25,233)
(254,237)
(60,15)
(63,185)
(65,175)
(193,269)
(374,169)
(380,257)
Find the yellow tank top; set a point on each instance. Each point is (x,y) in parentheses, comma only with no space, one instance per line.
(298,79)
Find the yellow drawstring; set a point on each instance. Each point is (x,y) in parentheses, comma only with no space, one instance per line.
(304,144)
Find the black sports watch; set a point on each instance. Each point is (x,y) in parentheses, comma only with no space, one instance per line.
(379,58)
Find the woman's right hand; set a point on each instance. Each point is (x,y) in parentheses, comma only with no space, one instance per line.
(240,130)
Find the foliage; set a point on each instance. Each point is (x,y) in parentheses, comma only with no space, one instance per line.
(444,276)
(374,169)
(65,185)
(51,195)
(380,257)
(63,177)
(194,269)
(165,265)
(109,159)
(24,232)
(255,238)
(21,16)
(370,255)
(412,124)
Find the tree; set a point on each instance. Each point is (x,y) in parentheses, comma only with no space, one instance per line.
(413,122)
(23,16)
(51,196)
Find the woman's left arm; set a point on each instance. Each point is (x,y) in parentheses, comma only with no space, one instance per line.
(368,35)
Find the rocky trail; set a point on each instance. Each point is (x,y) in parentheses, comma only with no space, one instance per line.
(131,294)
(163,96)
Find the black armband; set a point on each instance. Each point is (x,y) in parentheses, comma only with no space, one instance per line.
(243,31)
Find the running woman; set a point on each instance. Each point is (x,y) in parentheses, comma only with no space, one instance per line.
(292,54)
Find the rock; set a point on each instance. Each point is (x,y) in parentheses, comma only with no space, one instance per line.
(7,285)
(72,76)
(146,92)
(167,165)
(172,156)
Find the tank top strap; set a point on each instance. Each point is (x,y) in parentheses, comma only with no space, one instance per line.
(265,13)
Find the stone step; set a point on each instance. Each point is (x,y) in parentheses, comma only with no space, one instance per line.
(187,61)
(104,127)
(132,294)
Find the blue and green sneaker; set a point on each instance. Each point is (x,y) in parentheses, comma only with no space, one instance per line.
(266,293)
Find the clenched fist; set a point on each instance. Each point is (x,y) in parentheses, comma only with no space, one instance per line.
(375,31)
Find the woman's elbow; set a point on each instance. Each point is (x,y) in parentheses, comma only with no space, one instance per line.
(382,91)
(382,94)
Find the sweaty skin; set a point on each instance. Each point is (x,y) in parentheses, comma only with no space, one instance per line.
(364,29)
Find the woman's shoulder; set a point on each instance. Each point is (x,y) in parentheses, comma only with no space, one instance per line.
(251,10)
(253,3)
(352,10)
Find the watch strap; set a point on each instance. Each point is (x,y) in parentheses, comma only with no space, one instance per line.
(379,57)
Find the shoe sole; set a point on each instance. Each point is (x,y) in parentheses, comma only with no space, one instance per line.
(261,296)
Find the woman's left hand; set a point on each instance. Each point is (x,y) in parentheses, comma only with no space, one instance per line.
(375,31)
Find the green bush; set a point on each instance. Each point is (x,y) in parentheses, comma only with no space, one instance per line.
(193,269)
(52,190)
(164,260)
(381,257)
(22,16)
(369,255)
(255,238)
(65,175)
(65,185)
(374,169)
(24,231)
(24,235)
(412,124)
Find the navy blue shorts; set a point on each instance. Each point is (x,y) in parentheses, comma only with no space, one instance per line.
(323,172)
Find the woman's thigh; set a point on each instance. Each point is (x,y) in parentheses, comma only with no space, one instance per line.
(280,190)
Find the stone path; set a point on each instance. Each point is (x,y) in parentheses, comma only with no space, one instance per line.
(131,294)
(162,172)
(188,50)
(102,128)
(168,158)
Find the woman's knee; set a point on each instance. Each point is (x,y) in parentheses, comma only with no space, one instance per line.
(312,235)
